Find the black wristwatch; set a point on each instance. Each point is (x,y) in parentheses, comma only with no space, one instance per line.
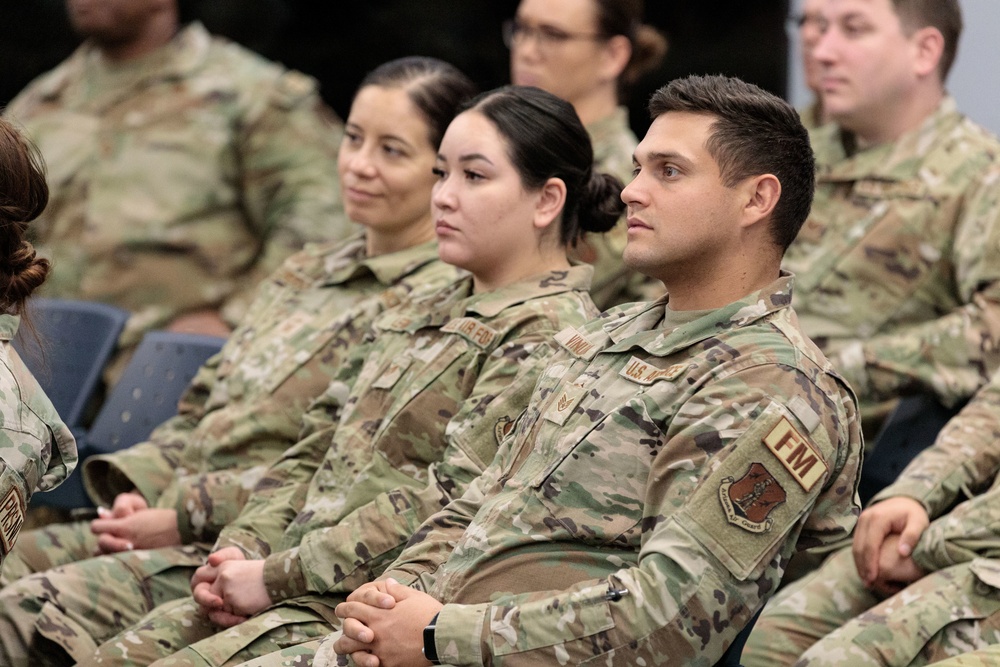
(430,649)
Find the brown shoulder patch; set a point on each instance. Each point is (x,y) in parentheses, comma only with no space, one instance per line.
(749,500)
(11,518)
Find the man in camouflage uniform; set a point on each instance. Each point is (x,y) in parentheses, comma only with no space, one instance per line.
(673,455)
(182,168)
(898,264)
(849,619)
(440,380)
(242,411)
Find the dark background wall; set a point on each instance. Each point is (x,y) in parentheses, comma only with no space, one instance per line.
(744,38)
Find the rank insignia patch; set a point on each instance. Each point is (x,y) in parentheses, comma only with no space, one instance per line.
(749,500)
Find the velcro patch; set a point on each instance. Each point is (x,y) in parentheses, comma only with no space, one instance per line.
(390,376)
(796,453)
(572,340)
(637,370)
(562,407)
(11,518)
(749,500)
(473,330)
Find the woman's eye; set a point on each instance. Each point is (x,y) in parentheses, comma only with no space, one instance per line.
(439,172)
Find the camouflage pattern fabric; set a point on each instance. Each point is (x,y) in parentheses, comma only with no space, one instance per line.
(442,378)
(947,613)
(179,181)
(963,461)
(898,265)
(647,501)
(37,450)
(242,411)
(985,657)
(614,283)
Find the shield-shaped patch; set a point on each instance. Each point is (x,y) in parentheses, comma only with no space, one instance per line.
(749,500)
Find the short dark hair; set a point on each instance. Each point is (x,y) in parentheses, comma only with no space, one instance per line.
(754,133)
(945,15)
(545,139)
(436,88)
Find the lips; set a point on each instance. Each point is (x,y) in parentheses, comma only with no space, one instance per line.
(359,196)
(636,223)
(442,227)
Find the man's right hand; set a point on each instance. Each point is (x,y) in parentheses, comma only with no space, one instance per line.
(901,516)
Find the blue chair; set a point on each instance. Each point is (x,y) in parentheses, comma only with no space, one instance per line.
(146,395)
(77,341)
(910,429)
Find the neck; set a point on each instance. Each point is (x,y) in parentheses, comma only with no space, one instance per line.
(597,105)
(382,243)
(541,262)
(704,287)
(157,33)
(885,126)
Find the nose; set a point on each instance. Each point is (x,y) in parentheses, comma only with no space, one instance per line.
(633,194)
(443,195)
(825,48)
(360,162)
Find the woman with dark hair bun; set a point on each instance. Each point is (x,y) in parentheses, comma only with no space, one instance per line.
(590,53)
(440,383)
(37,450)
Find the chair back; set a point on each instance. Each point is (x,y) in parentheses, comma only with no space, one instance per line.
(146,395)
(77,341)
(148,391)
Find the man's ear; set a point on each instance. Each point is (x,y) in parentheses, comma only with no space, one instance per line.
(761,196)
(928,45)
(551,200)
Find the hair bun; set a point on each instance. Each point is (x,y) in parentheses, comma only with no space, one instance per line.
(601,203)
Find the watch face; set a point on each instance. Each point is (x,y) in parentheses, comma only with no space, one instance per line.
(430,650)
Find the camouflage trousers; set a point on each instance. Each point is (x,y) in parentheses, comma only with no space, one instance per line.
(44,548)
(59,615)
(829,619)
(176,634)
(310,654)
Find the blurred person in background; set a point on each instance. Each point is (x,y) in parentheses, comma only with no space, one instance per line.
(809,24)
(183,169)
(590,53)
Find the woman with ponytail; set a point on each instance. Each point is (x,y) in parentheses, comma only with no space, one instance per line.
(591,53)
(37,450)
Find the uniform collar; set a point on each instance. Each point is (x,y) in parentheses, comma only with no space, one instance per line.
(895,161)
(8,326)
(642,326)
(353,261)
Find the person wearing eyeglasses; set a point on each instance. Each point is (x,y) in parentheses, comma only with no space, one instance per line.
(590,53)
(809,23)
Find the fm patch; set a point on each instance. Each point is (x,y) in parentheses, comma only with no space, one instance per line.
(749,500)
(11,518)
(796,453)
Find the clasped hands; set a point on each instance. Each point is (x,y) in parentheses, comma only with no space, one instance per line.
(132,524)
(884,539)
(383,624)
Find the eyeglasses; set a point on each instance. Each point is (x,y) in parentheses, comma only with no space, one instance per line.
(546,36)
(802,20)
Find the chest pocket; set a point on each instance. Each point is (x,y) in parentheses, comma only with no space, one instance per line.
(879,249)
(592,471)
(415,397)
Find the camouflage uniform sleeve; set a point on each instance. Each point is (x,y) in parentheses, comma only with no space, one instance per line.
(151,467)
(342,557)
(701,572)
(951,356)
(288,153)
(969,531)
(963,460)
(281,491)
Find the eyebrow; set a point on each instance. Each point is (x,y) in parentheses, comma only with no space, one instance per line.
(469,157)
(394,137)
(660,156)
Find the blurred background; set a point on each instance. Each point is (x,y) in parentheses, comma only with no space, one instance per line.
(338,43)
